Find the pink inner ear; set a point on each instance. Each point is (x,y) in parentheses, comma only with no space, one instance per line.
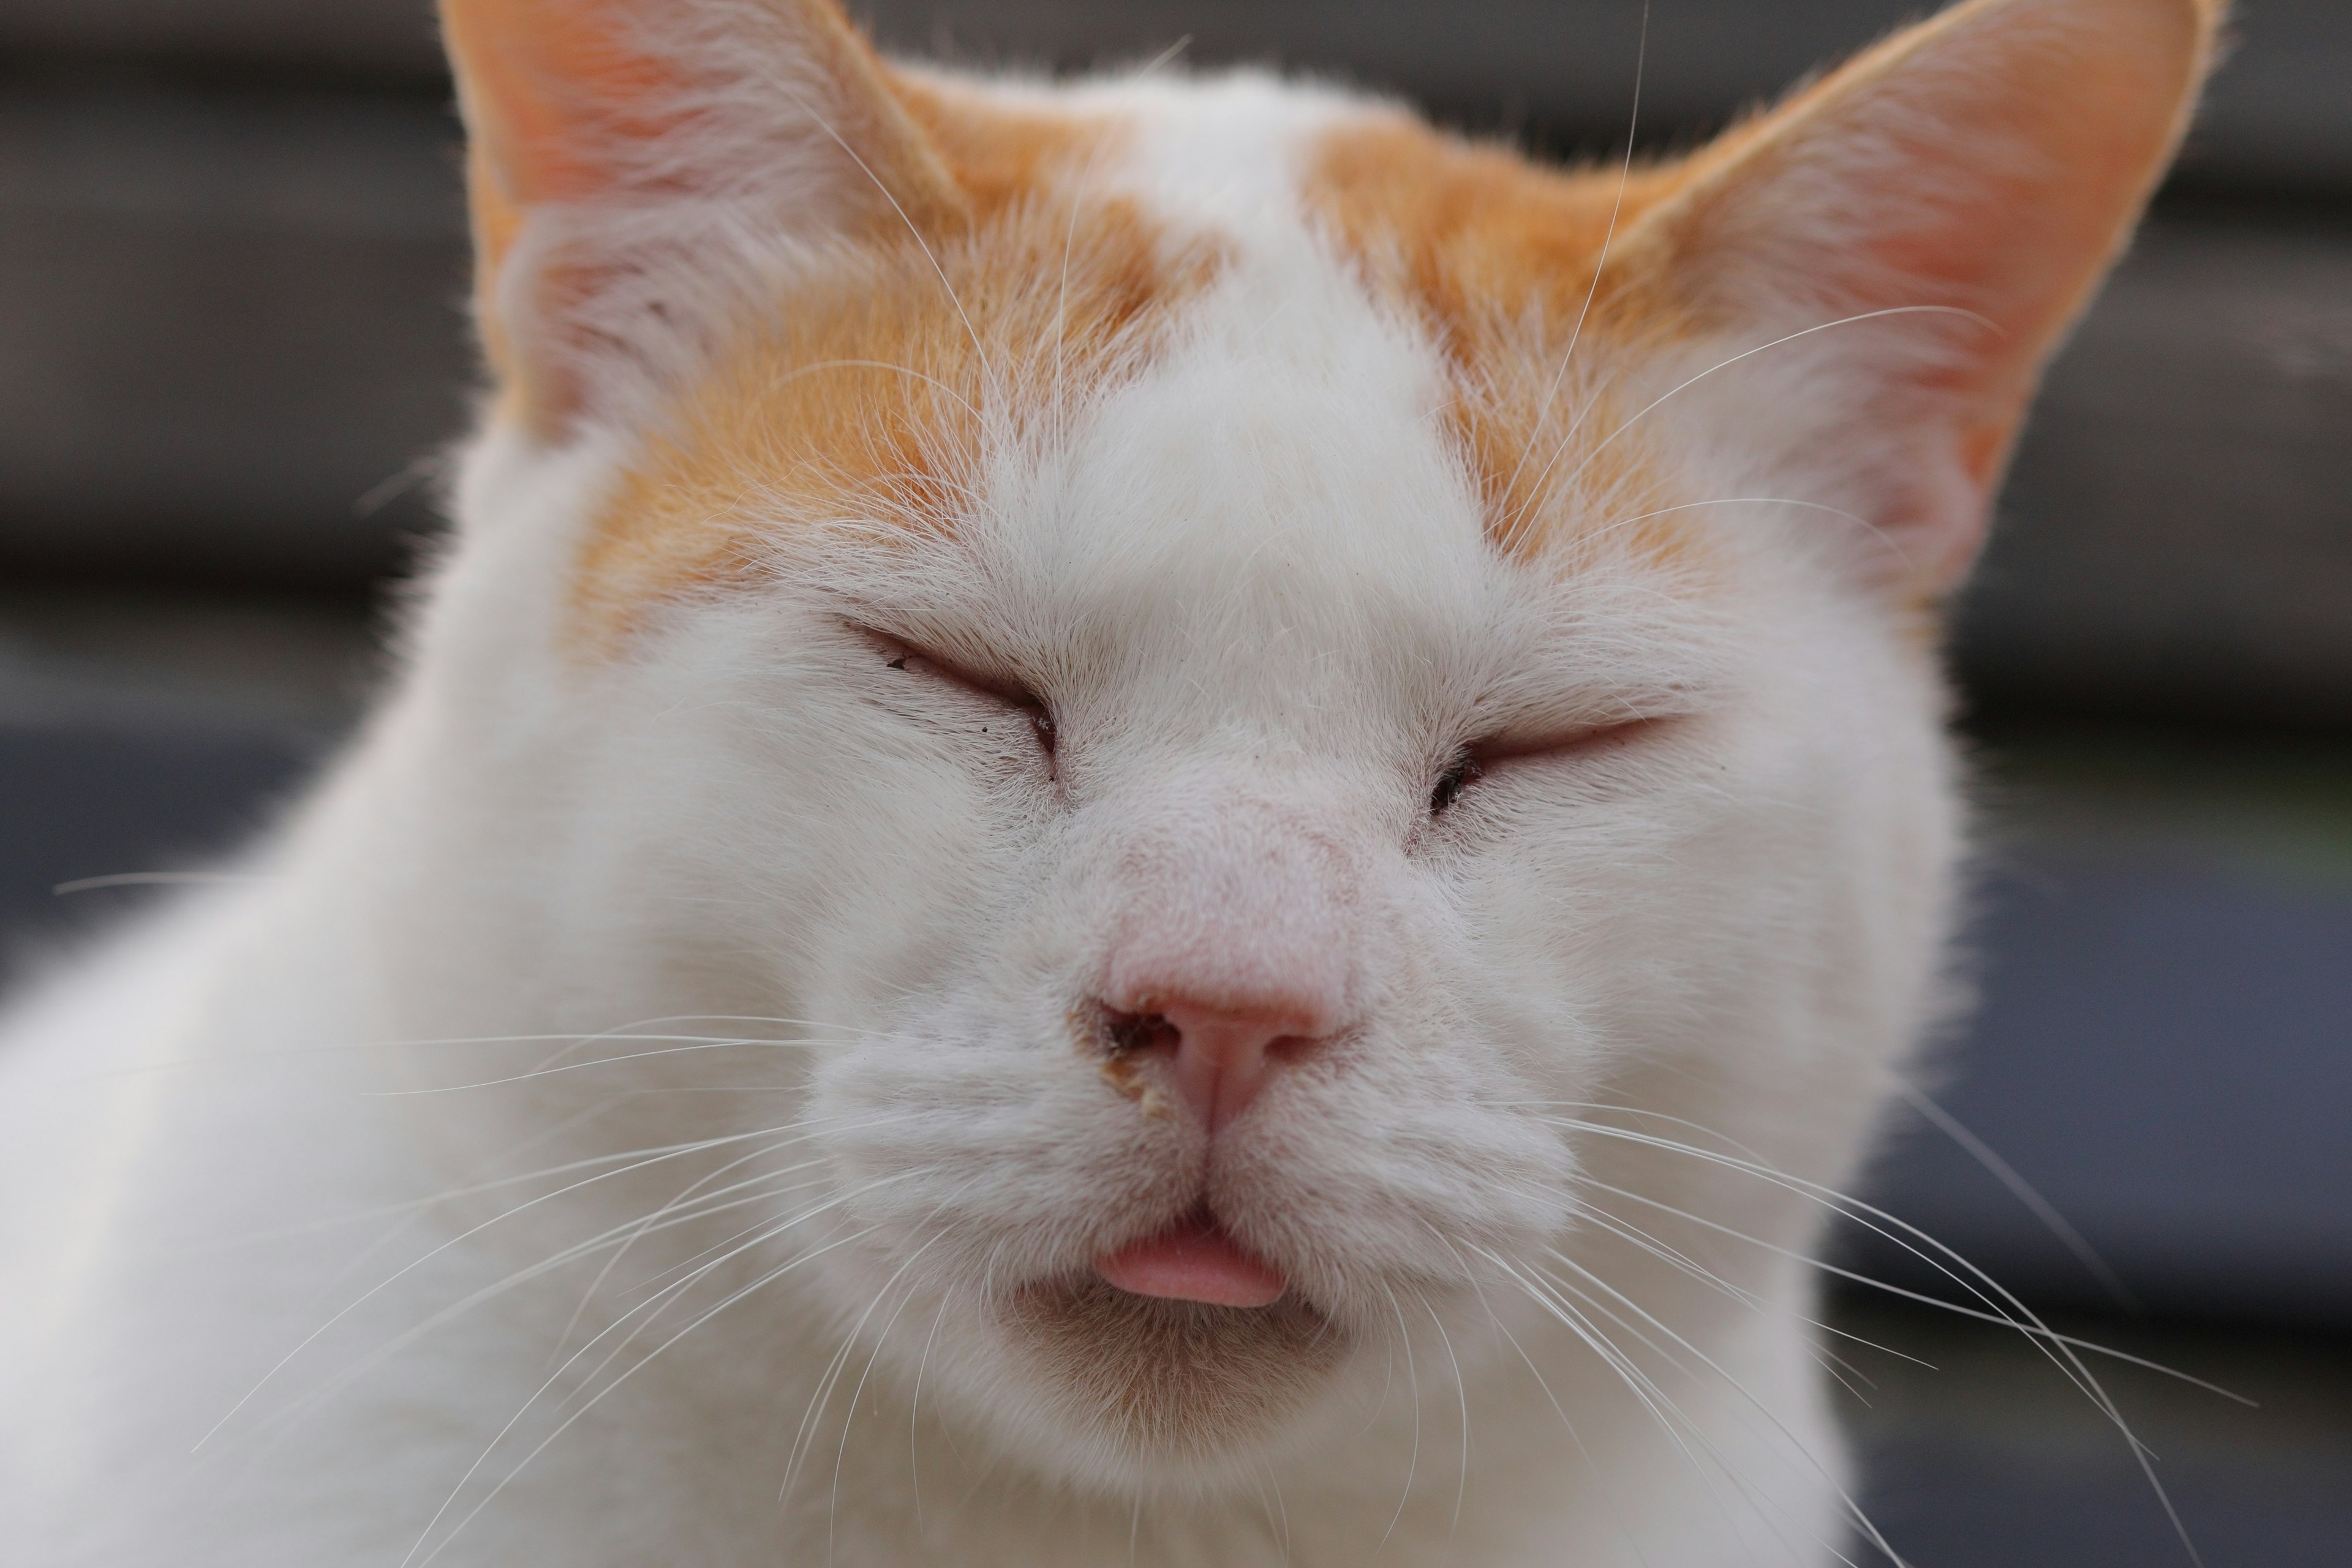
(2009,225)
(549,97)
(546,84)
(565,100)
(1994,160)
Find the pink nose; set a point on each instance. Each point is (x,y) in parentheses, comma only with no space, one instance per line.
(1219,1060)
(1237,948)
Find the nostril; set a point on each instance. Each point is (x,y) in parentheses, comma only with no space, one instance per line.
(1212,1060)
(1133,1034)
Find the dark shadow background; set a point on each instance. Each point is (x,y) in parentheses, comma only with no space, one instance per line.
(231,265)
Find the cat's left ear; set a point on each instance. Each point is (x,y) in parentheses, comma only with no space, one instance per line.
(619,149)
(1965,186)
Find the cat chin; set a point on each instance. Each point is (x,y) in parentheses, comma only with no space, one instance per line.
(1143,1392)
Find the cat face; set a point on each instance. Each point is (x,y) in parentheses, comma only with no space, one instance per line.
(1169,796)
(1235,664)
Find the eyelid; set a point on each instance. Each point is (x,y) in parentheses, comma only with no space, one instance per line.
(1543,743)
(899,650)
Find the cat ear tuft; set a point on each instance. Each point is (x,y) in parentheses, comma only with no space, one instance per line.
(1987,165)
(614,145)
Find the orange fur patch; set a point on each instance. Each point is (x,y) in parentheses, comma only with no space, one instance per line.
(1500,261)
(872,394)
(1000,156)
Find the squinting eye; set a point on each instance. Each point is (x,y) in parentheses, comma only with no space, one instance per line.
(1470,766)
(1452,782)
(897,657)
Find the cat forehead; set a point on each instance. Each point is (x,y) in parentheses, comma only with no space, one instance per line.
(1272,488)
(1235,333)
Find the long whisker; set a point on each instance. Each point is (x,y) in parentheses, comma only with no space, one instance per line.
(2055,1347)
(637,1031)
(413,1207)
(841,1453)
(700,1046)
(762,1282)
(632,1032)
(154,879)
(2023,1191)
(821,1399)
(645,1312)
(1750,354)
(574,1040)
(1560,450)
(1413,1390)
(299,1409)
(915,1408)
(1553,1294)
(649,1311)
(1876,1219)
(1674,1258)
(412,1215)
(1269,1501)
(414,1264)
(1549,1397)
(1633,1236)
(1959,1309)
(287,1418)
(1852,1508)
(912,228)
(1461,1393)
(1637,1382)
(804,1441)
(1647,1114)
(685,1206)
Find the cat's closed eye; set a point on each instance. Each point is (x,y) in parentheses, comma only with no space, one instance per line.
(1456,778)
(1025,707)
(1474,764)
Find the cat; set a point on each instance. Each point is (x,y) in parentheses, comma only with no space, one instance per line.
(1148,820)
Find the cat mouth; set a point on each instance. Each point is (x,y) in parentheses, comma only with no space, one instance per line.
(1199,1351)
(1197,1259)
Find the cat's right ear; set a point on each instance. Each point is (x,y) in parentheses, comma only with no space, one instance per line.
(1947,201)
(616,147)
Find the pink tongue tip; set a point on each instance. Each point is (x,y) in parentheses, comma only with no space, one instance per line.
(1194,1262)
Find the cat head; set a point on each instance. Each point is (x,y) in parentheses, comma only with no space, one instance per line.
(1234,663)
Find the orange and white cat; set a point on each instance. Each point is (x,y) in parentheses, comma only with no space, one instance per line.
(1148,821)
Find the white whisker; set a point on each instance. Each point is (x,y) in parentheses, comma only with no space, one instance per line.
(1853,1509)
(1412,1391)
(472,1231)
(913,230)
(1856,319)
(1461,1393)
(641,1312)
(850,1419)
(700,1045)
(1636,1381)
(2060,1349)
(575,1416)
(2023,1191)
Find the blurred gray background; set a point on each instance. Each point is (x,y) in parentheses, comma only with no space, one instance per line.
(232,354)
